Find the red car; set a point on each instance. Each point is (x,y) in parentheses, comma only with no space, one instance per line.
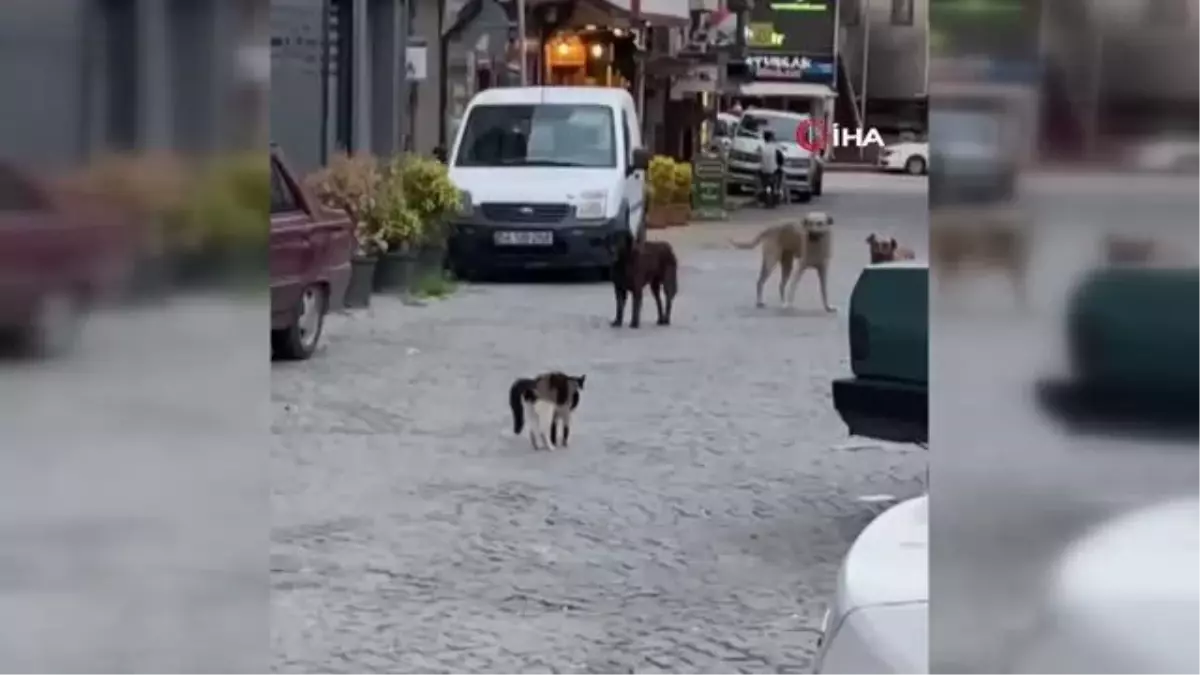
(59,254)
(309,263)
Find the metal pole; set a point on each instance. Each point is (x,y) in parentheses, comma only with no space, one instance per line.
(866,66)
(521,50)
(400,111)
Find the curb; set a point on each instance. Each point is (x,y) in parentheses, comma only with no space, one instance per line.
(852,167)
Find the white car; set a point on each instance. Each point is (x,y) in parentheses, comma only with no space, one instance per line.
(1167,154)
(879,622)
(911,157)
(1125,597)
(803,173)
(726,125)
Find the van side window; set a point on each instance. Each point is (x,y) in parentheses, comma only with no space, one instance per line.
(625,135)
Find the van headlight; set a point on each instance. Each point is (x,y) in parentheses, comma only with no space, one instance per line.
(466,204)
(592,205)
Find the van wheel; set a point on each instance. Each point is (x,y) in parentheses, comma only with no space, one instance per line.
(818,184)
(299,341)
(802,197)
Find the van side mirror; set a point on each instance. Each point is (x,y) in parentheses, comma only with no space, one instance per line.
(639,160)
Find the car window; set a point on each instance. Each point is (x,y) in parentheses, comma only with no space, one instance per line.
(548,134)
(283,200)
(784,128)
(722,130)
(19,194)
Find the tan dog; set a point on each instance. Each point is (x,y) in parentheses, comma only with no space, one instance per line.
(997,240)
(887,250)
(810,243)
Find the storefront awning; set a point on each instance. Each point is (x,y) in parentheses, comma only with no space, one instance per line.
(616,13)
(792,89)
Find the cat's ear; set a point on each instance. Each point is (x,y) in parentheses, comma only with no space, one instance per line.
(580,380)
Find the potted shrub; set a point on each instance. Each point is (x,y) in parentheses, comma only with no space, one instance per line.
(681,193)
(145,191)
(400,229)
(434,199)
(660,188)
(220,224)
(349,184)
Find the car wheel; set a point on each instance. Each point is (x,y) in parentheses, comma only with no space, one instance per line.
(299,341)
(802,197)
(54,326)
(915,166)
(818,184)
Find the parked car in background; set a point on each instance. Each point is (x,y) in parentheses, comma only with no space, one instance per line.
(803,172)
(60,255)
(911,157)
(310,249)
(1176,153)
(726,126)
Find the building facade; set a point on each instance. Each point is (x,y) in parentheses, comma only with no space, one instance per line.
(883,51)
(84,77)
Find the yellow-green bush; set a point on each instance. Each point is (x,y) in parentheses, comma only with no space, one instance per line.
(429,192)
(681,183)
(660,181)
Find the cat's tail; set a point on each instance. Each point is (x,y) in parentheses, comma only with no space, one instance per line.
(516,395)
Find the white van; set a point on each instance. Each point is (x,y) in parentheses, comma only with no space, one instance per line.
(554,178)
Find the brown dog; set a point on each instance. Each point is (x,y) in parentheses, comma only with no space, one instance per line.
(782,245)
(887,250)
(637,265)
(1121,250)
(991,239)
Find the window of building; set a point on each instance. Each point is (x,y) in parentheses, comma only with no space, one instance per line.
(1163,13)
(902,12)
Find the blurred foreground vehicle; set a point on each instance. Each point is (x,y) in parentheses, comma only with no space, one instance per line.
(888,396)
(1172,153)
(310,251)
(60,254)
(1124,598)
(1133,341)
(879,621)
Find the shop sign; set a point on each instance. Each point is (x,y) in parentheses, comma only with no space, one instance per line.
(791,67)
(708,186)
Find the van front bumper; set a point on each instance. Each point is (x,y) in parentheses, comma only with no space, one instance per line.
(473,245)
(883,409)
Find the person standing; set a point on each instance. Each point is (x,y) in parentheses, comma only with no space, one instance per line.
(770,169)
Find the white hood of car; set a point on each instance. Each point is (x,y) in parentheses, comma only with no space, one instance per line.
(889,561)
(545,184)
(880,639)
(754,146)
(1126,597)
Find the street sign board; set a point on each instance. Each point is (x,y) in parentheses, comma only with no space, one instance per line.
(708,186)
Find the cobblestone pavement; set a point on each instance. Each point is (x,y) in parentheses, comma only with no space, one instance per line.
(695,524)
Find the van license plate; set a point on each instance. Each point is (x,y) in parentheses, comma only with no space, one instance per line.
(524,238)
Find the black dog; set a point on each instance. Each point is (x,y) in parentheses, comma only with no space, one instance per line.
(637,265)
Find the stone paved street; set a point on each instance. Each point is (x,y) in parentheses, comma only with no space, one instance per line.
(695,524)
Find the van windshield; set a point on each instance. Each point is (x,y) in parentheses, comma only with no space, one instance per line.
(577,135)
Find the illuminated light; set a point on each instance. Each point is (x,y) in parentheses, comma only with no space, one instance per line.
(590,27)
(597,51)
(563,48)
(617,32)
